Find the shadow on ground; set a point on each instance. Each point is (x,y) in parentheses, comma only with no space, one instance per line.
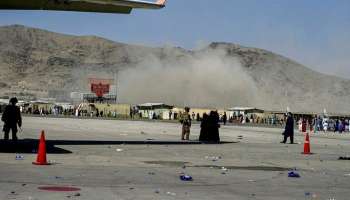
(31,145)
(28,146)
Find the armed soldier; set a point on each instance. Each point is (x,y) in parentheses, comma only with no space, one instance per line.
(11,117)
(185,120)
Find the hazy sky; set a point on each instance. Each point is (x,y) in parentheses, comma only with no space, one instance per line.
(315,33)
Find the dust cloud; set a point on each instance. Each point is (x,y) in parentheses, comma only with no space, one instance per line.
(203,79)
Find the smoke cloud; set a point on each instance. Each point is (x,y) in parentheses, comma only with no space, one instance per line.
(203,79)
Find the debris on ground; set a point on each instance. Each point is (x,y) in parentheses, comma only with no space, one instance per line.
(77,194)
(151,173)
(157,191)
(171,193)
(213,158)
(344,158)
(143,133)
(19,157)
(185,177)
(293,174)
(119,150)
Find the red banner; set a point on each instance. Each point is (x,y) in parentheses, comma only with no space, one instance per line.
(100,89)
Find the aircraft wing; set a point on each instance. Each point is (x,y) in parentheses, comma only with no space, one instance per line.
(104,6)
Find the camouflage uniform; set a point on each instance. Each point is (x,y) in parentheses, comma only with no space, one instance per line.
(186,125)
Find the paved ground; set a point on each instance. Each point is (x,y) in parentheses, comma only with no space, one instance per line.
(255,166)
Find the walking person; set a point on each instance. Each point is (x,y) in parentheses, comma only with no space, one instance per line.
(11,118)
(289,129)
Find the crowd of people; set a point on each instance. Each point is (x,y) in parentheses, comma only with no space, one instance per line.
(325,124)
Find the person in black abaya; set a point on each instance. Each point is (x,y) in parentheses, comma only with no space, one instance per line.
(213,123)
(289,129)
(204,133)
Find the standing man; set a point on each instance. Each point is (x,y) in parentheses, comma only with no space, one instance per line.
(224,118)
(185,120)
(11,117)
(289,129)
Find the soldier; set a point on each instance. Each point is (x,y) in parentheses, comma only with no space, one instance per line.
(185,120)
(11,117)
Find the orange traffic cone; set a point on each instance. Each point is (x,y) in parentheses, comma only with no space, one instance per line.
(41,158)
(307,144)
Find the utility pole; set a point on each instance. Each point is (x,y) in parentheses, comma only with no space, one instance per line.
(116,84)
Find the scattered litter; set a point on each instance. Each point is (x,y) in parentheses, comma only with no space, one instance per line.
(58,177)
(151,173)
(344,158)
(19,157)
(150,139)
(184,167)
(213,158)
(143,133)
(185,177)
(24,184)
(252,181)
(171,193)
(52,162)
(131,188)
(109,146)
(77,194)
(293,174)
(13,193)
(346,174)
(119,150)
(224,170)
(157,191)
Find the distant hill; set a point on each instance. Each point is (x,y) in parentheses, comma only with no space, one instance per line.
(39,63)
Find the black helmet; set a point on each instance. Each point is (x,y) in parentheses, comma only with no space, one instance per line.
(13,100)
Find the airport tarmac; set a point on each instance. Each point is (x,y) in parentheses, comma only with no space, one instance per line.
(125,160)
